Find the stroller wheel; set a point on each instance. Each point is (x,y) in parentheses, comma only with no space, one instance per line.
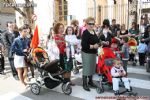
(66,88)
(75,71)
(133,94)
(99,90)
(35,89)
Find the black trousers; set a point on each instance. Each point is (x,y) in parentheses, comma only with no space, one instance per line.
(13,69)
(62,63)
(142,58)
(132,57)
(2,65)
(125,63)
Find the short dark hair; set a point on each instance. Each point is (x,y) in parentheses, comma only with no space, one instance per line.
(66,32)
(106,23)
(125,39)
(8,22)
(113,20)
(23,27)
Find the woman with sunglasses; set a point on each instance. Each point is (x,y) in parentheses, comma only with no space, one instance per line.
(89,50)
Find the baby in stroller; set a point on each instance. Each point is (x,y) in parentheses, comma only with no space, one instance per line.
(119,74)
(51,74)
(107,69)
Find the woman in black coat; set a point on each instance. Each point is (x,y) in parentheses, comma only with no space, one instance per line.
(89,45)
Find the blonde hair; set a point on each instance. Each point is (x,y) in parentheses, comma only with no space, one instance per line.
(89,19)
(117,62)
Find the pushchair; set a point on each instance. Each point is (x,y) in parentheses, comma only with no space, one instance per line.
(77,63)
(133,50)
(77,60)
(105,63)
(2,61)
(51,75)
(148,59)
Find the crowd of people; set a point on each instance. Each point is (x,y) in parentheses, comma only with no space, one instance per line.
(69,39)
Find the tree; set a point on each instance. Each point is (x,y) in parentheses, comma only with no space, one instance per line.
(26,12)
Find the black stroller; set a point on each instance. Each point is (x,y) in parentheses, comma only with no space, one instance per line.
(51,74)
(148,59)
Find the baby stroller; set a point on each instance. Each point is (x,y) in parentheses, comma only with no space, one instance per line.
(77,60)
(148,59)
(2,61)
(133,50)
(50,72)
(77,63)
(105,64)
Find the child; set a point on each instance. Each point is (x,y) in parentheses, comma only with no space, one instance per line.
(71,40)
(142,48)
(19,46)
(118,73)
(125,53)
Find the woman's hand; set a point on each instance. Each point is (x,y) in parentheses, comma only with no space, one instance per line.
(96,46)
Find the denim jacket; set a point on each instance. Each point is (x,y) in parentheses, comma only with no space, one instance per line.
(125,51)
(19,45)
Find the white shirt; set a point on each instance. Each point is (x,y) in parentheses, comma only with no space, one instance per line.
(115,71)
(71,39)
(105,31)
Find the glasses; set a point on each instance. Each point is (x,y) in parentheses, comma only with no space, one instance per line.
(91,23)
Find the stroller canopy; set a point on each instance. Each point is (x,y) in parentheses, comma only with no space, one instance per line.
(39,54)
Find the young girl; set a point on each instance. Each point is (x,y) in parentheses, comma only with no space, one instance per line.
(20,46)
(71,40)
(118,73)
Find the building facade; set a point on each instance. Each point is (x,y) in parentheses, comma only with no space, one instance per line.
(6,14)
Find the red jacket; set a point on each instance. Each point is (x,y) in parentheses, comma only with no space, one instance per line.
(60,41)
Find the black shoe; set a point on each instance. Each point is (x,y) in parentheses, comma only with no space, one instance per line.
(2,72)
(128,90)
(16,77)
(91,83)
(117,93)
(85,85)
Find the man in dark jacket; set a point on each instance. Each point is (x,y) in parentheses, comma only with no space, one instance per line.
(114,28)
(9,37)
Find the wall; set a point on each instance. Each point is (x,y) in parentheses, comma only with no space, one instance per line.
(4,18)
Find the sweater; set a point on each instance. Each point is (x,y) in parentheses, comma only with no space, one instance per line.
(87,40)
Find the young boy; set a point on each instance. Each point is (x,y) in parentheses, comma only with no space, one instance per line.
(125,53)
(118,73)
(142,48)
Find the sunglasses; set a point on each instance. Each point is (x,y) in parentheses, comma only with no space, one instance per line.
(91,23)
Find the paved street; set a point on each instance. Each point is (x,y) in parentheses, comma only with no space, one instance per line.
(11,89)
